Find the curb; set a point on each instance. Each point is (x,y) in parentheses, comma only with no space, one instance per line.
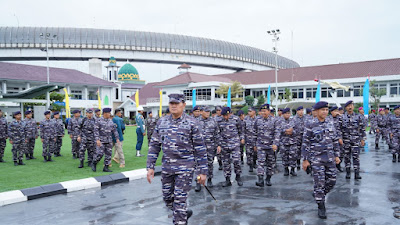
(11,197)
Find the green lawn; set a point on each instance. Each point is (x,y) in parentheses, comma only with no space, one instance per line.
(36,172)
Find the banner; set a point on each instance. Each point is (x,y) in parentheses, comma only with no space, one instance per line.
(318,94)
(194,98)
(67,109)
(98,98)
(269,95)
(229,98)
(137,98)
(366,97)
(160,112)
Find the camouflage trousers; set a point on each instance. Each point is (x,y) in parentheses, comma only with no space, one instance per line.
(175,189)
(299,144)
(75,145)
(341,152)
(396,144)
(30,146)
(250,154)
(324,174)
(58,144)
(228,156)
(352,151)
(88,145)
(18,150)
(265,158)
(48,146)
(106,150)
(382,133)
(210,163)
(241,151)
(149,138)
(289,155)
(3,143)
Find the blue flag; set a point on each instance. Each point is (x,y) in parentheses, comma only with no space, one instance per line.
(229,97)
(194,97)
(269,95)
(318,94)
(366,97)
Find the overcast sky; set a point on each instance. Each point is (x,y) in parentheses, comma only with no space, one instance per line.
(324,32)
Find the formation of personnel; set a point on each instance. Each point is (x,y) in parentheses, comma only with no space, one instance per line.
(93,135)
(316,142)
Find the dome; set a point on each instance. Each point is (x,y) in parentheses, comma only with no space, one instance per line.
(128,72)
(112,61)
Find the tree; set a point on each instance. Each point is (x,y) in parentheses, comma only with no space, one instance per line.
(375,94)
(236,90)
(249,100)
(357,105)
(260,101)
(54,97)
(287,95)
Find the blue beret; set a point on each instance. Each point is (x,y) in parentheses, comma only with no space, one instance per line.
(47,112)
(89,110)
(333,108)
(299,108)
(396,107)
(196,108)
(56,113)
(226,110)
(320,105)
(252,109)
(16,113)
(106,110)
(279,109)
(28,112)
(176,98)
(76,111)
(265,106)
(272,110)
(348,103)
(387,108)
(240,112)
(97,110)
(285,110)
(167,111)
(308,110)
(340,108)
(213,112)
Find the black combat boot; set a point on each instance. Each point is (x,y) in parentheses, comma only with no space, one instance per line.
(357,175)
(376,146)
(49,159)
(260,181)
(27,156)
(239,180)
(394,158)
(198,187)
(398,158)
(15,163)
(45,158)
(31,156)
(227,182)
(286,172)
(293,172)
(251,168)
(105,169)
(81,164)
(268,180)
(348,176)
(189,213)
(220,165)
(74,156)
(21,163)
(298,165)
(94,164)
(209,182)
(339,168)
(321,210)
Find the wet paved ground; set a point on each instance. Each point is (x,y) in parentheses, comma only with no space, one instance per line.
(373,200)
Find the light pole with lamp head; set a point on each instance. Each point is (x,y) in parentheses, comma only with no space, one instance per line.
(47,37)
(275,33)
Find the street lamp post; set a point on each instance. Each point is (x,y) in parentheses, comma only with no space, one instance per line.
(47,37)
(275,34)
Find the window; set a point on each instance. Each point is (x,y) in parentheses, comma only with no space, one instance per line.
(280,93)
(380,87)
(115,75)
(311,92)
(247,92)
(297,93)
(357,90)
(201,94)
(394,89)
(188,95)
(341,93)
(110,76)
(76,94)
(256,94)
(164,92)
(116,93)
(326,92)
